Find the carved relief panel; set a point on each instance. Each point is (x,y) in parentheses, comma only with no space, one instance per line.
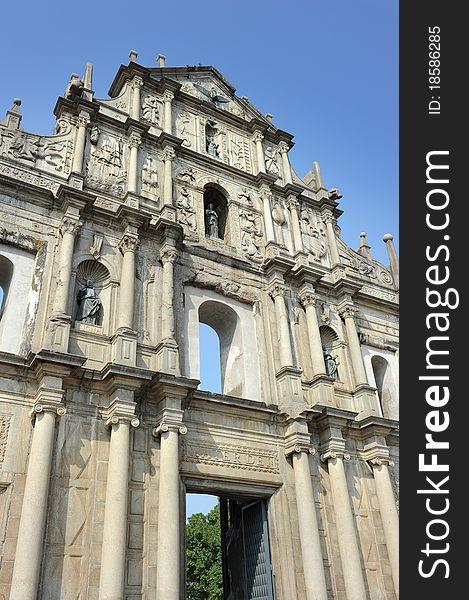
(105,166)
(313,234)
(49,153)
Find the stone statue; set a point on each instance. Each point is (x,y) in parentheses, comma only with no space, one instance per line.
(75,87)
(331,363)
(89,304)
(210,145)
(211,222)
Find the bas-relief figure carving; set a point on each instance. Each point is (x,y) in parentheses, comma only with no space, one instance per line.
(105,168)
(313,237)
(251,241)
(270,332)
(187,214)
(150,183)
(271,160)
(89,304)
(150,110)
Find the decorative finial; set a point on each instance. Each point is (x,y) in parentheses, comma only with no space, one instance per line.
(317,176)
(268,116)
(16,102)
(393,260)
(133,56)
(160,60)
(364,249)
(13,117)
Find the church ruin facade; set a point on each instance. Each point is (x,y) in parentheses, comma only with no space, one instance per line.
(170,204)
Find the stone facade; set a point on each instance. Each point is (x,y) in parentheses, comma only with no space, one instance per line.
(103,426)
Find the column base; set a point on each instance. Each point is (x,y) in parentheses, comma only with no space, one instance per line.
(76,180)
(124,347)
(365,400)
(167,357)
(131,199)
(291,398)
(322,391)
(59,332)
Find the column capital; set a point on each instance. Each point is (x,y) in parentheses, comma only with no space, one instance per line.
(292,202)
(137,82)
(169,154)
(121,410)
(84,119)
(383,461)
(170,420)
(283,147)
(168,255)
(347,311)
(128,242)
(328,217)
(70,224)
(308,297)
(264,191)
(258,136)
(331,454)
(54,407)
(277,289)
(298,442)
(168,96)
(135,140)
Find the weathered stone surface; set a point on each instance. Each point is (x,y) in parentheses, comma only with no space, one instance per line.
(105,420)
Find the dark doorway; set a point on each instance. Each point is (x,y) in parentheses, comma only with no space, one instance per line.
(246,568)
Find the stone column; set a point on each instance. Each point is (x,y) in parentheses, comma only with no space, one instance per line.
(69,228)
(137,84)
(268,222)
(258,137)
(389,516)
(168,258)
(308,299)
(30,544)
(277,292)
(168,557)
(134,143)
(283,149)
(168,99)
(313,563)
(347,312)
(292,204)
(78,155)
(393,260)
(331,238)
(127,246)
(348,545)
(120,417)
(168,157)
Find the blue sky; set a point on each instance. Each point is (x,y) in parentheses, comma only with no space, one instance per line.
(327,71)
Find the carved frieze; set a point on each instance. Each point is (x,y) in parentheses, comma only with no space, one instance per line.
(227,455)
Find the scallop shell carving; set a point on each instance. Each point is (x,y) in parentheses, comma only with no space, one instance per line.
(328,336)
(94,270)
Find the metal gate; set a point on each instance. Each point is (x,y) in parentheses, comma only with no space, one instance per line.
(257,562)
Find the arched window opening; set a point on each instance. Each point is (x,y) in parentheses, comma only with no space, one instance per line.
(224,321)
(384,385)
(329,343)
(6,275)
(210,367)
(215,213)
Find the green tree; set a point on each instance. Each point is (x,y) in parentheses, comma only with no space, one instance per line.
(203,556)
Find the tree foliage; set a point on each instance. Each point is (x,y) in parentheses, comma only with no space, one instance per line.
(203,556)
